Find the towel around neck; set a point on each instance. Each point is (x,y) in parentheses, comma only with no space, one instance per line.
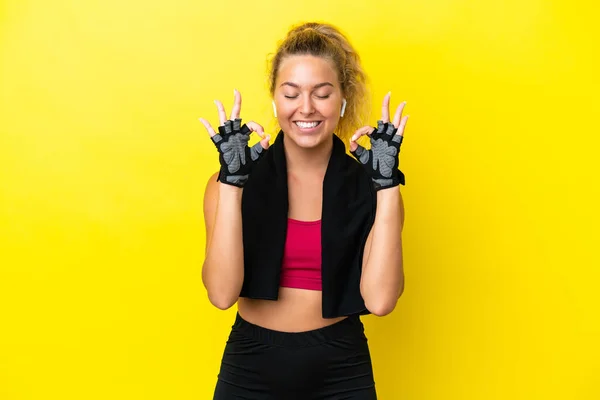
(348,213)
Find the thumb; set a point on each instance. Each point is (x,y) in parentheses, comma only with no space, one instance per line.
(360,153)
(265,142)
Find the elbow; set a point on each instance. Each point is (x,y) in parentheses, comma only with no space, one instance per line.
(381,308)
(221,302)
(222,294)
(383,305)
(219,297)
(401,290)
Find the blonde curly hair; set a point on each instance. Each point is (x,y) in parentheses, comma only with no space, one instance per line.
(325,40)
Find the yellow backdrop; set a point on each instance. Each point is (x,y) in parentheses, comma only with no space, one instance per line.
(103,165)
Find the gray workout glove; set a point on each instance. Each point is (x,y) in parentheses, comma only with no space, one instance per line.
(236,158)
(381,160)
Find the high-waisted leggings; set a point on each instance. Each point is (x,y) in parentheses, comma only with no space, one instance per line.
(332,363)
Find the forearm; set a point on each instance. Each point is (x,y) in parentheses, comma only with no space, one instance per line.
(223,269)
(382,282)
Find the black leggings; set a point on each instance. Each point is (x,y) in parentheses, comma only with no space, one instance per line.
(330,363)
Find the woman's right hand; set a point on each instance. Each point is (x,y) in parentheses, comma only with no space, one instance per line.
(235,156)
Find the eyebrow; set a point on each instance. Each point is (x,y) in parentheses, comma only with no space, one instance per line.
(317,86)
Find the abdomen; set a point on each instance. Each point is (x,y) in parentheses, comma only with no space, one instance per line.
(296,310)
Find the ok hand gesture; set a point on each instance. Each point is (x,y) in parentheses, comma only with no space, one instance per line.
(235,156)
(382,159)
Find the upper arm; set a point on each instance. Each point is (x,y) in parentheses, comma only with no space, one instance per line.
(211,199)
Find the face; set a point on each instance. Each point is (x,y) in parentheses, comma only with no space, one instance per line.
(308,98)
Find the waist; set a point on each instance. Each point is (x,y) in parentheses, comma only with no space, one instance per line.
(295,310)
(348,326)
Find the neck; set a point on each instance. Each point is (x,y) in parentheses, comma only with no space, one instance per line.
(299,159)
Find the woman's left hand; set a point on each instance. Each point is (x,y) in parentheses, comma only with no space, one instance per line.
(382,159)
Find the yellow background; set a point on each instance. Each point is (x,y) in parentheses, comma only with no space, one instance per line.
(103,165)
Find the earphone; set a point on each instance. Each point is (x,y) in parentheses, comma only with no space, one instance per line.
(341,112)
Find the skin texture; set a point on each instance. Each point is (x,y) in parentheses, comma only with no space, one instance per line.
(307,89)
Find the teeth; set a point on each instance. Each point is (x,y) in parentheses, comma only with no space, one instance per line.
(306,125)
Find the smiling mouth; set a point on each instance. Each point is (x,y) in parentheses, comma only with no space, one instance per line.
(307,125)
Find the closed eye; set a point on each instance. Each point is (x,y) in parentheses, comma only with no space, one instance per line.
(319,97)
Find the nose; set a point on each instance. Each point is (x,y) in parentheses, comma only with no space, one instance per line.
(307,106)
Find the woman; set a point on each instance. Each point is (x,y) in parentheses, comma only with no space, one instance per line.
(302,236)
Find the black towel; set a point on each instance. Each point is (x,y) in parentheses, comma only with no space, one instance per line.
(348,213)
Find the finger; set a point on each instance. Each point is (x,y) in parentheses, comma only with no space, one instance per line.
(222,114)
(237,105)
(398,114)
(402,125)
(360,153)
(365,130)
(254,127)
(385,108)
(209,128)
(265,142)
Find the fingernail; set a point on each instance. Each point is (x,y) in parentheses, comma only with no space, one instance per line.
(214,101)
(390,93)
(268,137)
(234,91)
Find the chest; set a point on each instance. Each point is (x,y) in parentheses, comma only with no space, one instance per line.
(305,196)
(303,245)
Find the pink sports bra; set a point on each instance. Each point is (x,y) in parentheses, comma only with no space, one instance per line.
(301,267)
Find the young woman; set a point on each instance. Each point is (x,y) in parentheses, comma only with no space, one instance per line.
(304,237)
